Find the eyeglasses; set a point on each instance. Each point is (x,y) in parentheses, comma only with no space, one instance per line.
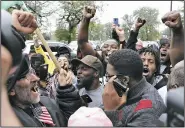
(107,76)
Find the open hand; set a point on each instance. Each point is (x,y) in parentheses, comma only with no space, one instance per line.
(172,20)
(89,12)
(24,21)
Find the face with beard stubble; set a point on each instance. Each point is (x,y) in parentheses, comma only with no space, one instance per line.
(85,76)
(26,90)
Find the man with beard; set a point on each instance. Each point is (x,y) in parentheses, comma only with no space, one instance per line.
(34,110)
(111,45)
(151,69)
(164,56)
(89,70)
(31,109)
(10,59)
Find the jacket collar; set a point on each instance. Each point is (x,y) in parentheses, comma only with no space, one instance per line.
(138,89)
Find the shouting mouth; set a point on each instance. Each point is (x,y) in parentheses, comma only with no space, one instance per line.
(163,54)
(145,71)
(34,89)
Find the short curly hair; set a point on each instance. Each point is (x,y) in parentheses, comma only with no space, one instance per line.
(127,62)
(156,56)
(176,78)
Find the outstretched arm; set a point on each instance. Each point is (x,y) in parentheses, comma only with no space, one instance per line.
(85,47)
(132,40)
(173,20)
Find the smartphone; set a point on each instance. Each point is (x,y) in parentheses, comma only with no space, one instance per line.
(86,98)
(43,71)
(119,87)
(115,21)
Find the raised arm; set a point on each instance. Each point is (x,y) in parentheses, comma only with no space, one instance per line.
(132,40)
(85,47)
(173,21)
(67,96)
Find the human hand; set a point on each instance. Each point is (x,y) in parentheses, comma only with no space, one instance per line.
(24,21)
(172,20)
(64,77)
(139,23)
(111,100)
(120,32)
(89,12)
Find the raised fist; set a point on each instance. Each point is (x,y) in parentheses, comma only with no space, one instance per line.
(24,21)
(139,23)
(89,12)
(172,20)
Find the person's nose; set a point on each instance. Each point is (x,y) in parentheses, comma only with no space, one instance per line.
(145,63)
(79,71)
(109,48)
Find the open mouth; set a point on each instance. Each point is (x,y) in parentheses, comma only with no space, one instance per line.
(163,54)
(145,71)
(34,89)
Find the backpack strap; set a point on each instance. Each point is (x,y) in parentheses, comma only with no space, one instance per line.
(162,82)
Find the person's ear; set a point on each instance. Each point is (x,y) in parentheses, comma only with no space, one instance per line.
(96,74)
(125,80)
(12,92)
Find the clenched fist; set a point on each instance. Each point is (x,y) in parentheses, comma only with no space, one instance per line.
(89,12)
(139,23)
(172,19)
(24,21)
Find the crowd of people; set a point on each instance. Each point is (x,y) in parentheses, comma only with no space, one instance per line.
(125,84)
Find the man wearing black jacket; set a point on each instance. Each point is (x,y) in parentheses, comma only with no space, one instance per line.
(32,109)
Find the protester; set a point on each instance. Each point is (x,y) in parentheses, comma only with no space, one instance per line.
(11,36)
(151,70)
(31,108)
(173,20)
(176,53)
(164,56)
(63,57)
(139,45)
(139,103)
(176,78)
(39,68)
(110,45)
(85,116)
(24,96)
(89,70)
(132,40)
(47,60)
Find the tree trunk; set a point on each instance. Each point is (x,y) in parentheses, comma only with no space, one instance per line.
(70,32)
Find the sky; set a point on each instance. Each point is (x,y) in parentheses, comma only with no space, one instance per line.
(117,9)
